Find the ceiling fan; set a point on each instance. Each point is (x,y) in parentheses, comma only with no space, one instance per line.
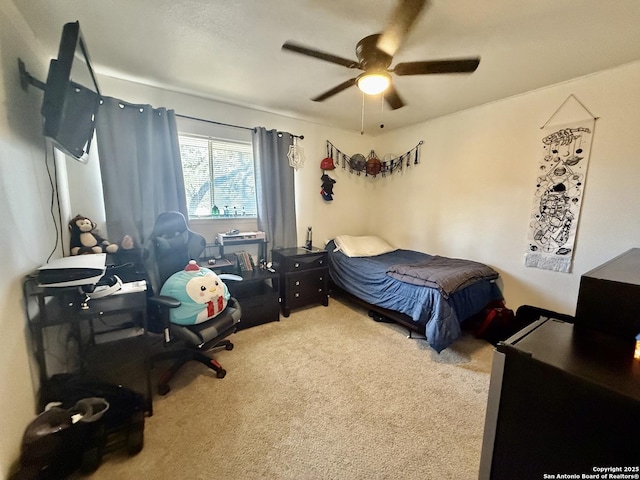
(375,54)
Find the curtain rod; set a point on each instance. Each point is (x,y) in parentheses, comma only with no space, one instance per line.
(301,137)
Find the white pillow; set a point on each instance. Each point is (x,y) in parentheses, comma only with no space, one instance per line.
(365,246)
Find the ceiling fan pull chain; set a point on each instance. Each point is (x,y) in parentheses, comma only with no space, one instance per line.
(381,110)
(362,116)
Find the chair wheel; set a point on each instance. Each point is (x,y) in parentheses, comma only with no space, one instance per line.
(163,389)
(221,373)
(229,346)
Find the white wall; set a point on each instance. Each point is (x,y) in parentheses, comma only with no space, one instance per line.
(471,195)
(27,236)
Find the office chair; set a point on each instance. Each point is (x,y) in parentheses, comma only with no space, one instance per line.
(173,245)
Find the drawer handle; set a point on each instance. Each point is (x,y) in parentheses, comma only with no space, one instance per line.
(296,294)
(296,265)
(297,283)
(321,262)
(320,278)
(319,290)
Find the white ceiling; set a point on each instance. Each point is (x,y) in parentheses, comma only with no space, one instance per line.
(231,50)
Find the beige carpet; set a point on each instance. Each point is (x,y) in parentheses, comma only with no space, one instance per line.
(324,394)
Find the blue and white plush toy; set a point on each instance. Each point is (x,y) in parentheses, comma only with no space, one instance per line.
(201,292)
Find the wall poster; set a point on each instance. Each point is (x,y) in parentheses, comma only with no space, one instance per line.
(560,182)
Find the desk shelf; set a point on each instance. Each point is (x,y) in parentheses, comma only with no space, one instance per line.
(260,242)
(59,307)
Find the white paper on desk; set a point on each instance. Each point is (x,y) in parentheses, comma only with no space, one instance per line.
(73,271)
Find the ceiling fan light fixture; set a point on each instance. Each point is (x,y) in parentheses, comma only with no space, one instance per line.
(373,83)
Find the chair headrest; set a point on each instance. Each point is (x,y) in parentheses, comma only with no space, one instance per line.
(170,224)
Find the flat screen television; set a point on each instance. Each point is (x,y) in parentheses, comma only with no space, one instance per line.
(71,97)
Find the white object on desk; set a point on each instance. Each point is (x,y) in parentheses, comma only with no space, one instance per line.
(131,287)
(73,271)
(230,239)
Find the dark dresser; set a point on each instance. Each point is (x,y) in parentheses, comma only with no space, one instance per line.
(609,297)
(304,277)
(564,399)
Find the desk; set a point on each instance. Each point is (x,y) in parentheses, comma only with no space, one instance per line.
(49,307)
(257,293)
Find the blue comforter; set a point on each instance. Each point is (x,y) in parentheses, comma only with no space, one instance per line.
(367,279)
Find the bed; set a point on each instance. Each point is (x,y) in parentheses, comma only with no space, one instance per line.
(428,294)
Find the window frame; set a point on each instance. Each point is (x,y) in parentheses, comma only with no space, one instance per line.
(212,141)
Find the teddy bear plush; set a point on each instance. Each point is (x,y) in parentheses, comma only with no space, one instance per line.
(85,239)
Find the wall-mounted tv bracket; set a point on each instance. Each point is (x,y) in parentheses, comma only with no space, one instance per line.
(26,79)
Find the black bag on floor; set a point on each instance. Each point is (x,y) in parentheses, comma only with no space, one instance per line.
(54,445)
(498,323)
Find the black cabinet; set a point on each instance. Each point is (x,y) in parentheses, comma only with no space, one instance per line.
(562,401)
(258,296)
(304,277)
(609,297)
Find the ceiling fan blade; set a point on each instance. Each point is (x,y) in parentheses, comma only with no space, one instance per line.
(327,57)
(401,21)
(392,98)
(334,90)
(465,65)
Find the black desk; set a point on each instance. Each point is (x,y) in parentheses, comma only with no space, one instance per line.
(562,401)
(257,293)
(258,297)
(111,361)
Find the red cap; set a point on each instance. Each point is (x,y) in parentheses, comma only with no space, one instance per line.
(327,164)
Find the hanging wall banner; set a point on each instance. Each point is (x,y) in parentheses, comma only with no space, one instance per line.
(560,185)
(371,165)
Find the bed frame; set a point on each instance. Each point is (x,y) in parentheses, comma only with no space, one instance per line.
(380,314)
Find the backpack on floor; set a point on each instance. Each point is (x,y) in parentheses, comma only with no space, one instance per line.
(497,323)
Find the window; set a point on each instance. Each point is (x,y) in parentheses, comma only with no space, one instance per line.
(219,177)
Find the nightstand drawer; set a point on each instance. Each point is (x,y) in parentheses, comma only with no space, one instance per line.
(306,284)
(295,264)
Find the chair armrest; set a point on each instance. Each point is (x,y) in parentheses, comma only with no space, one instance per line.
(230,276)
(165,301)
(233,303)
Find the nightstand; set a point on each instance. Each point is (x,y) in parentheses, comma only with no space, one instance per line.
(304,277)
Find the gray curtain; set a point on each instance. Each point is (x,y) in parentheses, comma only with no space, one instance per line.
(275,189)
(140,167)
